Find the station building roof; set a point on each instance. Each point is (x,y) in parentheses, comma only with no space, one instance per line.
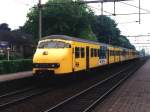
(15,37)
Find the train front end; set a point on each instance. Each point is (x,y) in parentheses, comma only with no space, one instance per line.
(53,56)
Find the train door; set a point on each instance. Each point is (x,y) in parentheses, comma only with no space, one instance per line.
(114,54)
(76,58)
(87,57)
(119,55)
(108,54)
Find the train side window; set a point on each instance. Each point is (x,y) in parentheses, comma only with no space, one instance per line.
(92,52)
(110,52)
(115,53)
(77,52)
(104,52)
(98,52)
(82,52)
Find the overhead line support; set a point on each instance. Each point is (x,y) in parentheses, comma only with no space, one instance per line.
(40,19)
(101,8)
(139,12)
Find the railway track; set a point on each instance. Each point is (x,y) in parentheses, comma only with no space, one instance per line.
(8,103)
(85,100)
(12,98)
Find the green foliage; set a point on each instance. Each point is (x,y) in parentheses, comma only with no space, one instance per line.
(67,19)
(106,31)
(13,66)
(124,42)
(2,57)
(12,57)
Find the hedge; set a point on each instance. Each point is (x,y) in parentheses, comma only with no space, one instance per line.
(13,66)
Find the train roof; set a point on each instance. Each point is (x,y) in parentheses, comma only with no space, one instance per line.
(65,37)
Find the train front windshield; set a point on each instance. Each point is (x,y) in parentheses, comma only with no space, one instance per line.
(53,44)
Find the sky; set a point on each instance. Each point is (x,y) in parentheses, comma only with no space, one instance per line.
(14,13)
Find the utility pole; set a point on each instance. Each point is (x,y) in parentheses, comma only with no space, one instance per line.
(40,19)
(139,12)
(101,8)
(114,8)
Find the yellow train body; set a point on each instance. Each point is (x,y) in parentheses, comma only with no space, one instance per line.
(60,56)
(63,54)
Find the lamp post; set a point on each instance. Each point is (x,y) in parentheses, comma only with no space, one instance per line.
(8,53)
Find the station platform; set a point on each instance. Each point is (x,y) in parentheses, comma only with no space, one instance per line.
(132,96)
(13,76)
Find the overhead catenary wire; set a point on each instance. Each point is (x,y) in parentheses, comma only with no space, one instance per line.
(126,14)
(137,35)
(135,7)
(103,10)
(128,22)
(21,2)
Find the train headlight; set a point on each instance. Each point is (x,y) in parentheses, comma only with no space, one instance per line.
(53,65)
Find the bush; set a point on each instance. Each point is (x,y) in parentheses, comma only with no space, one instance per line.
(2,57)
(13,66)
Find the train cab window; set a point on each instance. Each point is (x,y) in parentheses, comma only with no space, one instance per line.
(67,45)
(82,52)
(77,52)
(52,44)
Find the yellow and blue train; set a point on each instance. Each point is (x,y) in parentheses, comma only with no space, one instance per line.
(61,54)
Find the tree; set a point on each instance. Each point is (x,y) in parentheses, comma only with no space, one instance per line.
(124,42)
(4,27)
(67,18)
(105,29)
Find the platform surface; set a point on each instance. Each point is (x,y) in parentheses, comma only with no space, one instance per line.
(132,96)
(13,76)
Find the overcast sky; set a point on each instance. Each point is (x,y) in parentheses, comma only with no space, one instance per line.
(14,13)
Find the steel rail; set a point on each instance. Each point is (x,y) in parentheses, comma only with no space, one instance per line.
(16,92)
(109,91)
(84,91)
(11,102)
